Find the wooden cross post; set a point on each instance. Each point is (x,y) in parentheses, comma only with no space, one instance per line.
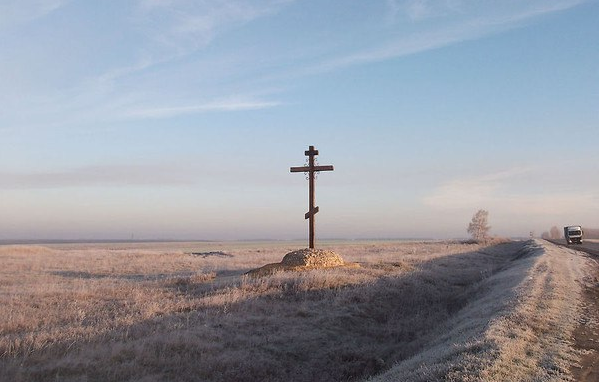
(311,169)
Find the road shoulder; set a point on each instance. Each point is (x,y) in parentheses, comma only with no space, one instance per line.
(586,334)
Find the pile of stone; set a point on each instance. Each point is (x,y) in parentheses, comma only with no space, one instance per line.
(303,259)
(309,257)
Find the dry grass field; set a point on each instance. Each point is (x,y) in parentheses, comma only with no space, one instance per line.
(413,311)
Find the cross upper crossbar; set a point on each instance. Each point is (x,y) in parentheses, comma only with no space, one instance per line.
(311,169)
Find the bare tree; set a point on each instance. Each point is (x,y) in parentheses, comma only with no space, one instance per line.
(554,233)
(478,227)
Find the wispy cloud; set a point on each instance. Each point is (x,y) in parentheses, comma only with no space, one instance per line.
(214,106)
(514,191)
(98,175)
(467,27)
(421,10)
(179,27)
(181,172)
(171,30)
(418,9)
(471,192)
(15,12)
(404,46)
(167,61)
(510,20)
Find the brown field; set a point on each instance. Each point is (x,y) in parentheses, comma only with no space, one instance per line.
(413,311)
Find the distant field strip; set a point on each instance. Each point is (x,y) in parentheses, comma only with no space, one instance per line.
(413,311)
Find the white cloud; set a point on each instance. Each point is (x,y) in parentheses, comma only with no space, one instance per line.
(469,26)
(179,27)
(513,192)
(406,45)
(505,11)
(418,9)
(214,106)
(98,175)
(540,9)
(15,12)
(174,29)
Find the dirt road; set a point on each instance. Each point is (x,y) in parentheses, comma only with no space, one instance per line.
(586,335)
(588,246)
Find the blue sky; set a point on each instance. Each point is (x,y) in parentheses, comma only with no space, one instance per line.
(180,119)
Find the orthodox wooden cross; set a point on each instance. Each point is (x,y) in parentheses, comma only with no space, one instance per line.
(311,169)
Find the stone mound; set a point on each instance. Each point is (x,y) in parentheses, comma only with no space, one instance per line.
(304,259)
(309,257)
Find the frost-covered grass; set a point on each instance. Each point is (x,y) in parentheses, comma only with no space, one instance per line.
(155,312)
(517,328)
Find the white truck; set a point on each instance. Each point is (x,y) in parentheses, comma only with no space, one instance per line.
(573,234)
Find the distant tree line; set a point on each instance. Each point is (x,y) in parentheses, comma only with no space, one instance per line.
(554,233)
(591,233)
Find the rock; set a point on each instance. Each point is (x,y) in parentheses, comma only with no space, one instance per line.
(317,258)
(304,259)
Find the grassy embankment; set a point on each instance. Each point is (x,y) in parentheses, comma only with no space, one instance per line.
(158,313)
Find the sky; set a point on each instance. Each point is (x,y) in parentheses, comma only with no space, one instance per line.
(180,119)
